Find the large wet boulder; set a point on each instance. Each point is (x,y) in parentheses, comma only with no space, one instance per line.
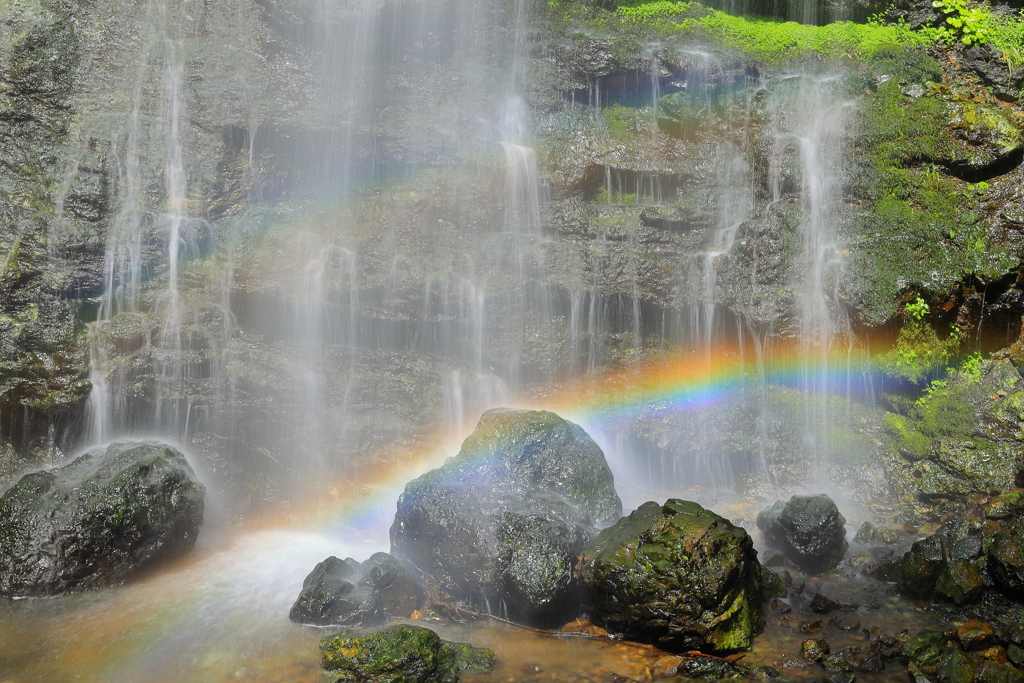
(808,530)
(944,567)
(678,576)
(501,525)
(347,592)
(97,521)
(400,654)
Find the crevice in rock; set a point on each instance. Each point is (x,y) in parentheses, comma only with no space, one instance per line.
(1001,166)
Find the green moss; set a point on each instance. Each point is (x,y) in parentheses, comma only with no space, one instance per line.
(764,40)
(919,352)
(920,212)
(400,654)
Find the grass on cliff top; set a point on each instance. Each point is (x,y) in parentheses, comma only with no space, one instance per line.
(767,40)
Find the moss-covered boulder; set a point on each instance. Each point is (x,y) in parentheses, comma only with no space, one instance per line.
(944,568)
(401,654)
(809,530)
(98,520)
(506,519)
(678,576)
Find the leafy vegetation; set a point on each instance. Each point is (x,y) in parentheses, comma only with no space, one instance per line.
(918,351)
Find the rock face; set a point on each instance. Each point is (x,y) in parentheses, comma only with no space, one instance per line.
(98,520)
(506,519)
(808,530)
(347,592)
(677,576)
(401,654)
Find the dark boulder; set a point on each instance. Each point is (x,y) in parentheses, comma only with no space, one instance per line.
(943,569)
(677,576)
(505,520)
(329,594)
(98,520)
(347,592)
(808,530)
(400,654)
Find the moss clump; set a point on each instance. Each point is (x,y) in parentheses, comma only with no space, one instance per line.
(400,654)
(768,41)
(922,145)
(918,351)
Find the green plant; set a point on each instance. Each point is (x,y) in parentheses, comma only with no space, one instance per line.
(970,368)
(917,309)
(970,25)
(918,351)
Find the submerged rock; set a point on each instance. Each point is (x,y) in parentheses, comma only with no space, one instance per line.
(506,519)
(98,520)
(677,576)
(400,654)
(808,530)
(347,592)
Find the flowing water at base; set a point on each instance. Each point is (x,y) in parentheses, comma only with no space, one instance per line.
(220,615)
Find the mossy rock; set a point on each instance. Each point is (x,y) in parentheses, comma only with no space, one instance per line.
(400,654)
(99,520)
(506,519)
(678,576)
(925,648)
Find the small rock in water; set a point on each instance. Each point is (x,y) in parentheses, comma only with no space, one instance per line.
(779,607)
(765,673)
(955,666)
(847,623)
(880,553)
(925,648)
(975,634)
(837,663)
(773,560)
(872,664)
(887,536)
(666,667)
(865,533)
(822,605)
(815,649)
(812,626)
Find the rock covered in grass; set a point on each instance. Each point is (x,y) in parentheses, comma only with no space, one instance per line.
(678,576)
(400,654)
(347,592)
(504,521)
(808,530)
(98,520)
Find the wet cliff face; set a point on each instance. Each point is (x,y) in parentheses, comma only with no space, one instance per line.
(298,238)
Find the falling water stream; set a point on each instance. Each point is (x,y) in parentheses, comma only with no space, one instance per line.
(294,373)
